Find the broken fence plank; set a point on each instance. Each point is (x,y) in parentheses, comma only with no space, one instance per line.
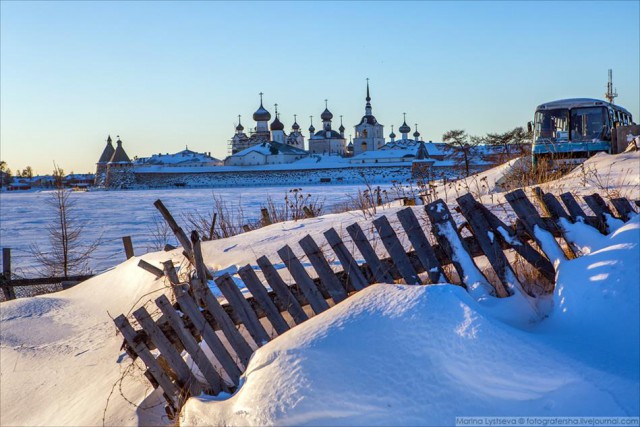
(177,231)
(445,231)
(556,211)
(128,246)
(233,295)
(623,207)
(228,327)
(186,378)
(534,224)
(600,208)
(380,273)
(159,375)
(394,247)
(151,268)
(421,245)
(302,279)
(490,246)
(285,296)
(349,264)
(325,272)
(576,212)
(189,307)
(259,292)
(190,344)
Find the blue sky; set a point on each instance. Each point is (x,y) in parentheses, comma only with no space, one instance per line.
(164,75)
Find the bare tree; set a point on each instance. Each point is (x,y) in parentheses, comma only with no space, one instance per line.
(459,141)
(66,255)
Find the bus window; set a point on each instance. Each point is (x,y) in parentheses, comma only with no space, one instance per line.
(552,124)
(588,124)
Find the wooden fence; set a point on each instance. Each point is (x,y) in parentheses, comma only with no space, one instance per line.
(8,282)
(233,330)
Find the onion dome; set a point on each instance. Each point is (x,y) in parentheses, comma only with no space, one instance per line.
(239,128)
(392,135)
(326,115)
(341,128)
(277,124)
(404,128)
(295,126)
(261,114)
(312,129)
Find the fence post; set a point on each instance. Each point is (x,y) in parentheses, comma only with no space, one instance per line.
(128,246)
(9,292)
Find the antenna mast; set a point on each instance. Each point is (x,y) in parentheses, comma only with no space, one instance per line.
(611,93)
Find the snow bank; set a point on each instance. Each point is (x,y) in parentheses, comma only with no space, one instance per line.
(404,355)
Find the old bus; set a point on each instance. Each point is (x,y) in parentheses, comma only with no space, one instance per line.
(571,130)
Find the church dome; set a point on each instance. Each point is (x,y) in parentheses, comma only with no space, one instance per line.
(312,129)
(392,135)
(326,115)
(239,127)
(341,128)
(295,126)
(416,134)
(261,114)
(404,128)
(277,124)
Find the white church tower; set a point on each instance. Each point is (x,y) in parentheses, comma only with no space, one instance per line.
(369,133)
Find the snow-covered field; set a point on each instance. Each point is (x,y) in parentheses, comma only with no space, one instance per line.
(110,215)
(391,355)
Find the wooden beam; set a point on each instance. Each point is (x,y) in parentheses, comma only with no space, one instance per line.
(380,272)
(394,247)
(421,246)
(325,272)
(302,279)
(243,309)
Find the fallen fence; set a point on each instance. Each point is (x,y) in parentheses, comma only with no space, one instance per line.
(234,330)
(8,283)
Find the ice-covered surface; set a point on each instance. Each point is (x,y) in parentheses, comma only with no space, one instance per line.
(390,355)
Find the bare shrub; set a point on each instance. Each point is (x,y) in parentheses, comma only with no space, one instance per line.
(67,255)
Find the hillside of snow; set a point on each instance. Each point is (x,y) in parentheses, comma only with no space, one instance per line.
(389,355)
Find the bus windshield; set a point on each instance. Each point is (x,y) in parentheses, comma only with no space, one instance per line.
(552,125)
(588,124)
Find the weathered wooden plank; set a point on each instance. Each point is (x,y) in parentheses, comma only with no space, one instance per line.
(286,299)
(170,272)
(576,212)
(177,231)
(190,308)
(349,265)
(380,273)
(446,232)
(490,246)
(213,306)
(394,247)
(421,246)
(252,282)
(201,269)
(600,208)
(534,224)
(554,208)
(191,345)
(539,196)
(159,375)
(623,207)
(302,279)
(186,378)
(249,319)
(151,268)
(325,272)
(128,246)
(9,292)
